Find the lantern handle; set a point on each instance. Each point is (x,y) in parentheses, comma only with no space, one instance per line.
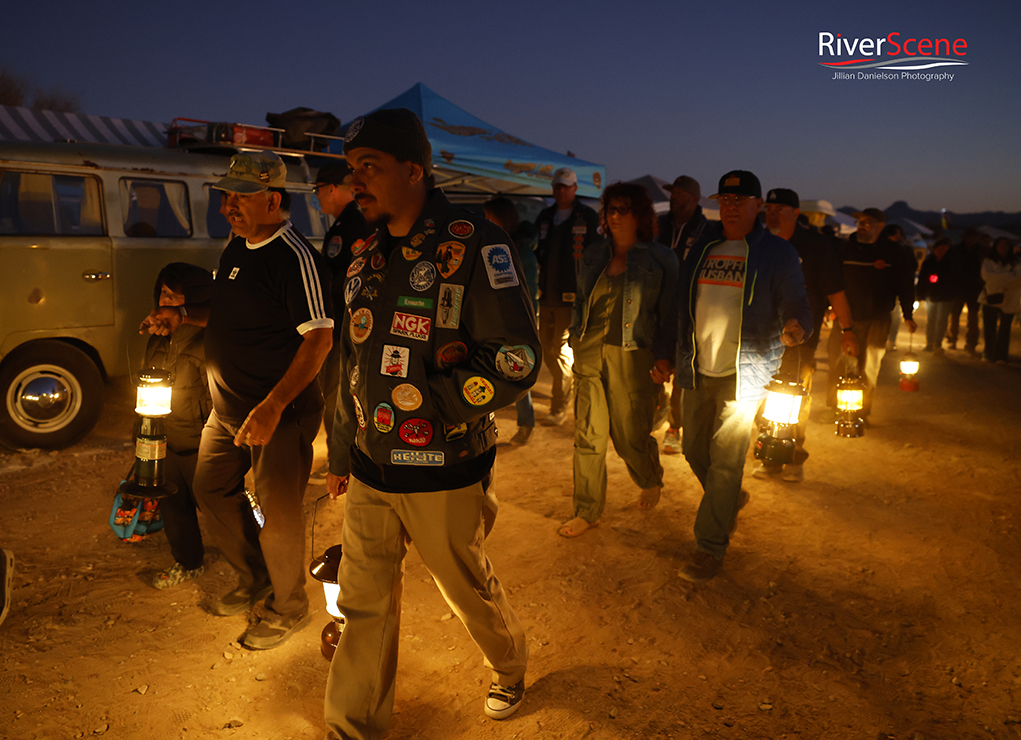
(313,538)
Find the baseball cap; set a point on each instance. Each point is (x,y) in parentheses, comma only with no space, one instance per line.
(875,213)
(254,172)
(739,182)
(688,184)
(784,197)
(396,131)
(565,176)
(333,173)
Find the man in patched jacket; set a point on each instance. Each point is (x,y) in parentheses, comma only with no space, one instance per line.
(439,335)
(741,298)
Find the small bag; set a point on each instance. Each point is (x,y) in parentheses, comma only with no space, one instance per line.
(133,519)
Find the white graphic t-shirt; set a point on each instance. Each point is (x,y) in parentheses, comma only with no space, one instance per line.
(720,291)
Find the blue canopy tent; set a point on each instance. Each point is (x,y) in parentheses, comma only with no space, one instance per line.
(471,155)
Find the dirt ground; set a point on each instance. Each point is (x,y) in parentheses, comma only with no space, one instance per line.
(877,599)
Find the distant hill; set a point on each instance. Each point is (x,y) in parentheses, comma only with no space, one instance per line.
(931,219)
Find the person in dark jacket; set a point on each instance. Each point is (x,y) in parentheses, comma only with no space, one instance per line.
(741,298)
(937,286)
(565,229)
(895,234)
(967,256)
(876,275)
(679,230)
(182,354)
(503,213)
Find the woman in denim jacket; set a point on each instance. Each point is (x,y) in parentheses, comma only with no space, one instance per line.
(621,341)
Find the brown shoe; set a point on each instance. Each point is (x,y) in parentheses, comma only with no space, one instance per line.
(273,630)
(701,567)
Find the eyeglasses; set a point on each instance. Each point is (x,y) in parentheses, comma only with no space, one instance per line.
(733,200)
(315,188)
(619,210)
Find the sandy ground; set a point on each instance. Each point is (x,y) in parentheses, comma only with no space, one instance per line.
(877,599)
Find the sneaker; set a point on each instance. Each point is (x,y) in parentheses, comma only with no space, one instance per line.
(521,436)
(273,630)
(765,470)
(672,442)
(503,701)
(555,418)
(241,599)
(175,575)
(701,567)
(794,473)
(6,579)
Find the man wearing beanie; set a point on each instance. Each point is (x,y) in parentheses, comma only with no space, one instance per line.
(740,286)
(438,334)
(347,231)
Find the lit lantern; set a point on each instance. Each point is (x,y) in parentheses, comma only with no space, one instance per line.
(325,569)
(152,404)
(783,405)
(850,402)
(909,372)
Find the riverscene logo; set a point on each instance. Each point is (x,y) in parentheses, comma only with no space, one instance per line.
(892,57)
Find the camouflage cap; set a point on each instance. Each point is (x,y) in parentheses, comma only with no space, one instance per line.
(254,172)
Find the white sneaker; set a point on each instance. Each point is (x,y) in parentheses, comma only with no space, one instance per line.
(672,442)
(503,701)
(764,471)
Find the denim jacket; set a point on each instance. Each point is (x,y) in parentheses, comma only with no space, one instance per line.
(649,279)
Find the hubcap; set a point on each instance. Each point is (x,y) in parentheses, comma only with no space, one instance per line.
(44,398)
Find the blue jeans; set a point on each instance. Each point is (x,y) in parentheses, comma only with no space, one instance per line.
(526,412)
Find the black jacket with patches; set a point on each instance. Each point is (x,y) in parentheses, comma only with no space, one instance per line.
(559,251)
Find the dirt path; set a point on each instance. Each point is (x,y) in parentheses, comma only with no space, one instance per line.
(878,598)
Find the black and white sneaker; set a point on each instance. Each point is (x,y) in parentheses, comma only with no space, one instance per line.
(503,701)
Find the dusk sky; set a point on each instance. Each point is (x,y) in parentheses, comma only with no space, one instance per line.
(662,88)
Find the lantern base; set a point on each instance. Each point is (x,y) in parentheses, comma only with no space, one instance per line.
(850,427)
(774,451)
(330,637)
(131,489)
(909,383)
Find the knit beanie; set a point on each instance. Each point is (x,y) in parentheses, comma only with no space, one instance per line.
(396,131)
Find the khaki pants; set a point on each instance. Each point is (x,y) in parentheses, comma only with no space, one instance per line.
(871,336)
(448,529)
(554,324)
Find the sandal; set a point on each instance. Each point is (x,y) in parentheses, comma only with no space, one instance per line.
(175,575)
(575,528)
(649,497)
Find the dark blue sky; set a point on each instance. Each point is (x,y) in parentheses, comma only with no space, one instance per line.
(665,88)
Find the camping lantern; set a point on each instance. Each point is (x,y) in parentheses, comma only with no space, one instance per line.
(152,404)
(325,569)
(909,372)
(850,402)
(783,405)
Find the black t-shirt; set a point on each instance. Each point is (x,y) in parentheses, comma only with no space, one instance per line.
(820,263)
(265,297)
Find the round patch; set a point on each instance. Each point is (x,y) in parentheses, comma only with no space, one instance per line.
(410,254)
(333,248)
(451,355)
(383,418)
(358,412)
(477,390)
(356,267)
(416,432)
(462,229)
(355,374)
(351,289)
(423,275)
(378,260)
(406,397)
(515,362)
(361,325)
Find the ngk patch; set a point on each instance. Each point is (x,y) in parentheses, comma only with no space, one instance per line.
(411,326)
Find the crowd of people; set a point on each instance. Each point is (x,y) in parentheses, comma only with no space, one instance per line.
(418,320)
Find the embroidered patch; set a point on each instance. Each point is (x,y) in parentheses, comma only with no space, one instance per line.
(583,229)
(351,289)
(395,361)
(461,229)
(410,254)
(411,326)
(406,397)
(417,240)
(416,457)
(499,266)
(568,297)
(358,412)
(477,390)
(355,374)
(356,267)
(378,261)
(234,273)
(515,362)
(451,355)
(416,432)
(454,431)
(449,256)
(369,293)
(334,247)
(430,226)
(423,275)
(383,418)
(449,315)
(404,301)
(353,129)
(358,247)
(361,325)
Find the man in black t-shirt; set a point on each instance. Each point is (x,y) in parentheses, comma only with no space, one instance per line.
(347,232)
(269,327)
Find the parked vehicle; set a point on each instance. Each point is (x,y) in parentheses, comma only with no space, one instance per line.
(84,230)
